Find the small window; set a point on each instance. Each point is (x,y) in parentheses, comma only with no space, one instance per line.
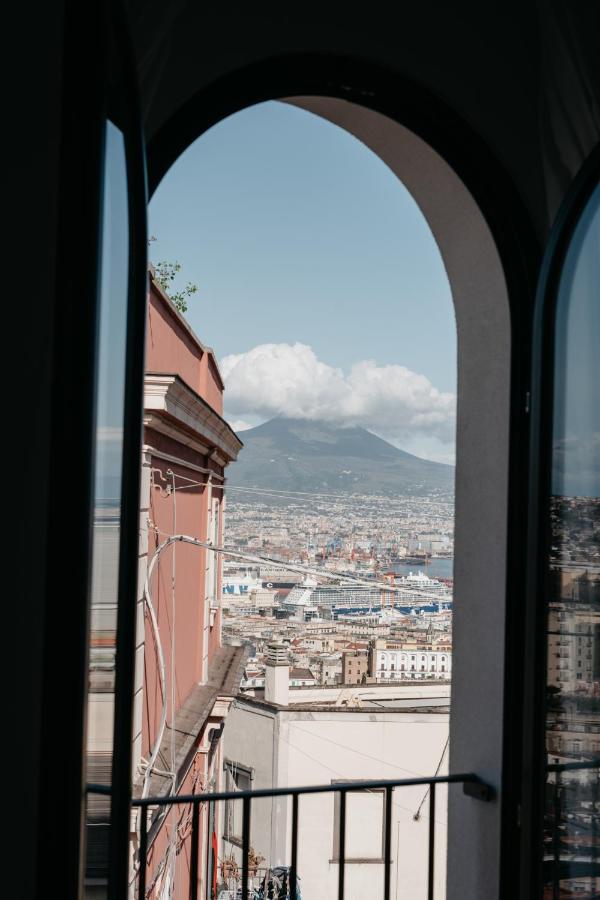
(237,778)
(362,844)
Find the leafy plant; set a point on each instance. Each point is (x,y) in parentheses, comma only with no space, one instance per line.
(165,273)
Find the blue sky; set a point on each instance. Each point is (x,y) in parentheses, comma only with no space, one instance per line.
(321,288)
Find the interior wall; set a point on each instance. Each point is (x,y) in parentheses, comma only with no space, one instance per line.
(33,105)
(524,76)
(482,447)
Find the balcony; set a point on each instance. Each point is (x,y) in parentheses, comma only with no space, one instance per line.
(247,878)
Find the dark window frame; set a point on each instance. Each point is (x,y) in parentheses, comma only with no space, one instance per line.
(539,537)
(231,769)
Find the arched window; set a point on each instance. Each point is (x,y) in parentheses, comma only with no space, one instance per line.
(479,294)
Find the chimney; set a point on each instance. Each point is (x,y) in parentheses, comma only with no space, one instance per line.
(277,674)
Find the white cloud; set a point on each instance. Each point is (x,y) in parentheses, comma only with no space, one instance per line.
(289,380)
(241,424)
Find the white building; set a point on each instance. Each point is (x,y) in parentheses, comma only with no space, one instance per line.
(397,661)
(329,735)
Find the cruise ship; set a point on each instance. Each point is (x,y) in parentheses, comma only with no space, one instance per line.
(419,594)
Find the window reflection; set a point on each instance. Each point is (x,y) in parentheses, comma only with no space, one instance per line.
(107,507)
(572,814)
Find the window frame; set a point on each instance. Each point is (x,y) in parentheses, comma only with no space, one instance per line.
(517,251)
(335,852)
(229,767)
(539,537)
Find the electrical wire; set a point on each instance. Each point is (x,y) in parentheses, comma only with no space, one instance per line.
(417,815)
(161,672)
(385,587)
(360,753)
(340,775)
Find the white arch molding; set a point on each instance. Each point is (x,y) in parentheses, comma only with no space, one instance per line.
(481,306)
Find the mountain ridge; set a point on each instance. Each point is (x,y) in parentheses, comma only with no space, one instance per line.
(312,455)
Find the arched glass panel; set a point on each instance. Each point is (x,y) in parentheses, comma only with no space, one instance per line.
(572,810)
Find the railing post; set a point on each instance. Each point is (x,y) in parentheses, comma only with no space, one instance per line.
(245,845)
(143,852)
(387,861)
(431,872)
(342,845)
(294,860)
(194,851)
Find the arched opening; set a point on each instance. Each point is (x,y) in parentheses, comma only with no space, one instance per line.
(481,304)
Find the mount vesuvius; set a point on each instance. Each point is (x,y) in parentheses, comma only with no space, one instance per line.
(305,455)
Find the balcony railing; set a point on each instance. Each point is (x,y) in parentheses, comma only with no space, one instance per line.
(473,787)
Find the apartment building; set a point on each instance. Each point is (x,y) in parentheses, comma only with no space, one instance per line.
(185,678)
(355,666)
(336,735)
(393,660)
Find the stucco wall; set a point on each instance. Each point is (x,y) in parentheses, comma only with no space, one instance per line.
(182,630)
(302,748)
(168,347)
(171,347)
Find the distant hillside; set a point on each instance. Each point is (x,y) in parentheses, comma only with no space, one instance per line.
(302,455)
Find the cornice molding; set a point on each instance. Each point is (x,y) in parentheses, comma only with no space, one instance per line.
(174,409)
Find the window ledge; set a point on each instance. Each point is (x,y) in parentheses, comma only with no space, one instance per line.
(360,860)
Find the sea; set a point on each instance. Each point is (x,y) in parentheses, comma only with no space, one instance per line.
(435,568)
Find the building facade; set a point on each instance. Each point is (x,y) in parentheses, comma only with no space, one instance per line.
(325,736)
(413,660)
(355,666)
(185,677)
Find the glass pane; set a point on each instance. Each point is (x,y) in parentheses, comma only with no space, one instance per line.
(571,837)
(105,554)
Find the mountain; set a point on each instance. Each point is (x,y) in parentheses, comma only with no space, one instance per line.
(303,455)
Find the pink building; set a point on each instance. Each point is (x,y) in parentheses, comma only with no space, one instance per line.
(185,678)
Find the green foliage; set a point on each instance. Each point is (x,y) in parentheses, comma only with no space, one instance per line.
(165,273)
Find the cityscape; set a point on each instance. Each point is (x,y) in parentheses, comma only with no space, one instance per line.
(364,599)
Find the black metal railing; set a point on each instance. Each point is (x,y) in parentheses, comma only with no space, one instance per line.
(473,787)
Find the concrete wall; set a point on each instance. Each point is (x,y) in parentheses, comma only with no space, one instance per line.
(291,747)
(249,739)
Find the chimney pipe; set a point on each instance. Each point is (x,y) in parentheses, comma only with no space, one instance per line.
(277,674)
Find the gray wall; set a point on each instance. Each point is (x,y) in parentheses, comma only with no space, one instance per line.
(249,739)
